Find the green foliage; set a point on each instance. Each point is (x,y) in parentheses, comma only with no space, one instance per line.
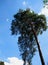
(22,24)
(1,63)
(45,1)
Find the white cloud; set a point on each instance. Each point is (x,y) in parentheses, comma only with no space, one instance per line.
(44,10)
(14,61)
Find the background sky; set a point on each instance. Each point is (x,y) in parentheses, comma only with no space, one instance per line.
(8,44)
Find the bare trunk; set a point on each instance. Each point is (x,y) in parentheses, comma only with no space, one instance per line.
(24,63)
(40,53)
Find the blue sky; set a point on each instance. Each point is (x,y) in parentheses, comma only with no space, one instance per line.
(8,43)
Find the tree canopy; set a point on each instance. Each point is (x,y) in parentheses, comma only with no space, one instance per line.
(1,63)
(45,1)
(22,24)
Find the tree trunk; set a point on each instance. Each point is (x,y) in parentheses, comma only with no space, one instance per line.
(24,62)
(40,53)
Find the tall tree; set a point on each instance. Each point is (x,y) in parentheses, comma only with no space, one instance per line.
(29,25)
(1,63)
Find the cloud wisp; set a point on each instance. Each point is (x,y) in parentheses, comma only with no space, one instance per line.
(27,5)
(24,3)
